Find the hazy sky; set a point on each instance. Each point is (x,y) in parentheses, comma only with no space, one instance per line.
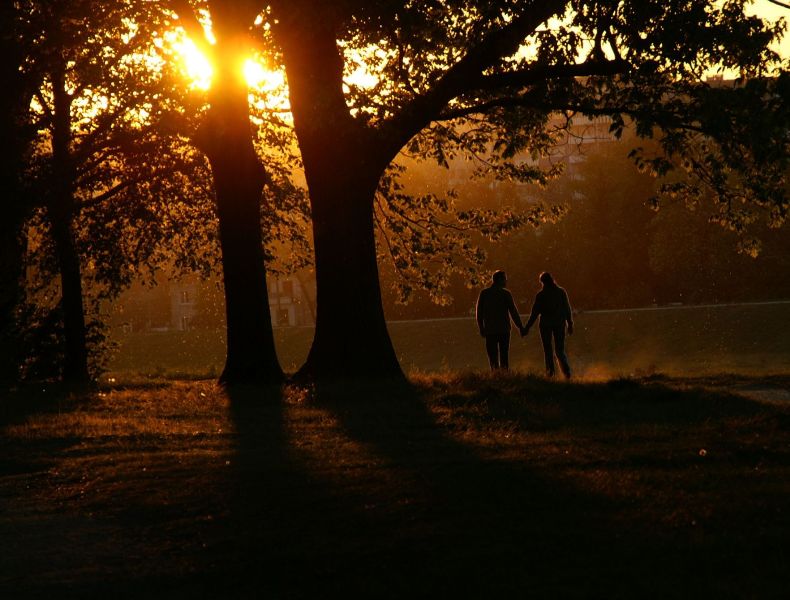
(772,12)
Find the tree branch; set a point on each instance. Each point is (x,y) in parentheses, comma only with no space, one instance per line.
(44,105)
(107,194)
(514,101)
(191,25)
(536,74)
(498,44)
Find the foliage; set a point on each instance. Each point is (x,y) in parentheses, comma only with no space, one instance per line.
(141,194)
(609,248)
(738,156)
(486,82)
(429,239)
(40,353)
(108,167)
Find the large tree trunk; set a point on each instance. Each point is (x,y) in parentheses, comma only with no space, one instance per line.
(351,337)
(251,352)
(60,211)
(343,164)
(75,364)
(226,139)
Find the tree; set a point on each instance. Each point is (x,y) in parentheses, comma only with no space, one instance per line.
(239,176)
(19,78)
(498,70)
(108,177)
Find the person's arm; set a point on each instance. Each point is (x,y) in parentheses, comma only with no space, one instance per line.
(568,312)
(514,312)
(534,313)
(479,311)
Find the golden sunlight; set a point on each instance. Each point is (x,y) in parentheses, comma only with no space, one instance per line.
(196,66)
(198,69)
(254,73)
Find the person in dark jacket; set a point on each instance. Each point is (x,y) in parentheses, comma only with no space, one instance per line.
(495,309)
(554,309)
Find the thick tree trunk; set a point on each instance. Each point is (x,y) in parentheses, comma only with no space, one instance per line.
(226,139)
(351,337)
(61,216)
(75,364)
(250,340)
(343,163)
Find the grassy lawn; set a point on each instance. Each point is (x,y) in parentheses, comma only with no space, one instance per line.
(681,342)
(458,485)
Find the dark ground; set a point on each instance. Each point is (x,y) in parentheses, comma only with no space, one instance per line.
(456,486)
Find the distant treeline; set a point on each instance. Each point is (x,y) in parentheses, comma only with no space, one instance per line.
(612,249)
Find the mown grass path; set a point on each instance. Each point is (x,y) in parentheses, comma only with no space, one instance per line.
(464,485)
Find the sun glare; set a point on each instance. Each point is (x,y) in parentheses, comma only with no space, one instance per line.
(196,66)
(198,69)
(255,74)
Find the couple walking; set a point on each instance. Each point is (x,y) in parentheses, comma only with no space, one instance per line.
(495,308)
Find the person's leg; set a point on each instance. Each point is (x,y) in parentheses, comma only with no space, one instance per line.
(504,351)
(559,345)
(492,351)
(548,351)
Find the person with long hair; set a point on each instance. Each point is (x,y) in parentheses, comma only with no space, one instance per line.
(554,309)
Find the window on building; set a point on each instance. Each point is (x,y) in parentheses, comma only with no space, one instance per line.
(185,297)
(185,323)
(283,317)
(288,288)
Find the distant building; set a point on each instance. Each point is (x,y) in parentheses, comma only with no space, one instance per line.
(189,303)
(288,303)
(183,308)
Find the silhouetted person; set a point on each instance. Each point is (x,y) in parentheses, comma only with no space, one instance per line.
(552,306)
(495,308)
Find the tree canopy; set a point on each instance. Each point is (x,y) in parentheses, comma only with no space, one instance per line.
(483,80)
(372,86)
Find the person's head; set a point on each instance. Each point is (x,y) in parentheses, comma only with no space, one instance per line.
(499,278)
(546,278)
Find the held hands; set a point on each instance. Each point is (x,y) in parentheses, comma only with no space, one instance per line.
(524,331)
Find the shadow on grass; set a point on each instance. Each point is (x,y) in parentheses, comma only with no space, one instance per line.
(27,400)
(462,524)
(362,490)
(355,490)
(537,404)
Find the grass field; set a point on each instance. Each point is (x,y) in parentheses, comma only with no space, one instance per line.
(748,339)
(456,486)
(671,482)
